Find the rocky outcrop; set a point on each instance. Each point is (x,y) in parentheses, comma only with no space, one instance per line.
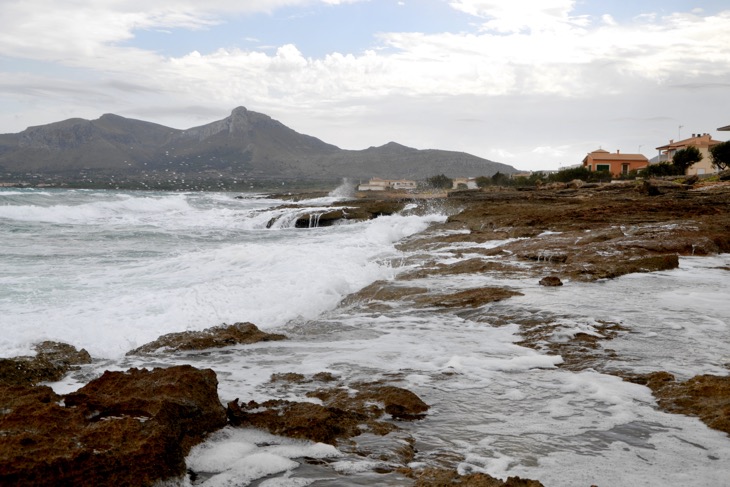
(356,210)
(704,396)
(124,428)
(51,362)
(551,281)
(340,415)
(469,298)
(437,477)
(215,337)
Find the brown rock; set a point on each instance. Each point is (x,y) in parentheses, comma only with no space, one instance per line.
(436,477)
(342,415)
(704,396)
(642,264)
(215,337)
(470,298)
(52,361)
(398,402)
(125,428)
(297,419)
(551,281)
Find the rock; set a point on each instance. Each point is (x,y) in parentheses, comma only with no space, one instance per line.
(704,396)
(470,298)
(53,360)
(124,428)
(437,477)
(398,402)
(354,210)
(215,337)
(691,179)
(724,175)
(576,184)
(297,419)
(655,187)
(641,264)
(341,415)
(551,281)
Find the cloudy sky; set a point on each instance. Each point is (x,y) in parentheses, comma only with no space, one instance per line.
(532,83)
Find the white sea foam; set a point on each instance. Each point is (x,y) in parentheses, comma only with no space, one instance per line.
(233,456)
(151,266)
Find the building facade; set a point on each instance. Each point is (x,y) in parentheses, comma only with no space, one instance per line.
(616,163)
(703,142)
(377,184)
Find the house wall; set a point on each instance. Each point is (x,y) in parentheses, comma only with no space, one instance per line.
(702,142)
(616,167)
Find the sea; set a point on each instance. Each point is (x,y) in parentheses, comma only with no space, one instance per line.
(111,270)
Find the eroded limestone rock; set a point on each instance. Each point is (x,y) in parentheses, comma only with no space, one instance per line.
(124,428)
(215,337)
(704,396)
(52,361)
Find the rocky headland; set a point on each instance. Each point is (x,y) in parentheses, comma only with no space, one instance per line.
(135,427)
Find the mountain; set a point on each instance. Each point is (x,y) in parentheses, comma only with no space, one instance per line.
(246,145)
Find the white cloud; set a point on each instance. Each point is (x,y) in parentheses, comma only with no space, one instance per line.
(531,59)
(510,16)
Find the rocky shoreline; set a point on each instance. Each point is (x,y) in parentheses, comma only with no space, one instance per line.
(136,427)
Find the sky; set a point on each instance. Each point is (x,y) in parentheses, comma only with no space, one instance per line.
(536,84)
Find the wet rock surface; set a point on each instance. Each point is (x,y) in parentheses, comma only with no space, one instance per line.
(124,428)
(52,361)
(704,396)
(433,477)
(583,233)
(345,411)
(586,234)
(215,337)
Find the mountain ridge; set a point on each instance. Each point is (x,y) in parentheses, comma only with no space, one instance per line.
(245,145)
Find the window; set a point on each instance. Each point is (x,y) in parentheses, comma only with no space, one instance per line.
(603,167)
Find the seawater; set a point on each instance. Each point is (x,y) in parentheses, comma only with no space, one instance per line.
(111,270)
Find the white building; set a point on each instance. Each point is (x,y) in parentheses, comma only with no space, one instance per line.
(377,184)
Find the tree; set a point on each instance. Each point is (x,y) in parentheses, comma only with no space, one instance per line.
(499,179)
(483,181)
(660,169)
(684,158)
(440,182)
(721,155)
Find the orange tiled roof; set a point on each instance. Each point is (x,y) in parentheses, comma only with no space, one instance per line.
(603,155)
(698,140)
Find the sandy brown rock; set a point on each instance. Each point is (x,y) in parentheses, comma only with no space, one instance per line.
(704,396)
(581,351)
(125,428)
(470,298)
(434,477)
(51,363)
(297,419)
(383,291)
(215,337)
(551,281)
(341,415)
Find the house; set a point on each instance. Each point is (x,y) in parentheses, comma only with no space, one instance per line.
(615,163)
(703,142)
(377,184)
(470,183)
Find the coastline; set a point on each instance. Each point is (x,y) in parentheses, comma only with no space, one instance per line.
(570,234)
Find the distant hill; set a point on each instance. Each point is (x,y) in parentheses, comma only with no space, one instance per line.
(246,145)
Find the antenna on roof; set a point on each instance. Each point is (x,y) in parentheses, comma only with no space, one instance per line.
(679,132)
